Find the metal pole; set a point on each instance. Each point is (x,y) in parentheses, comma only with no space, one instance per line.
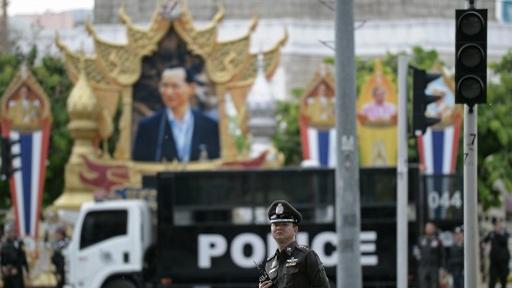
(348,224)
(402,243)
(471,237)
(471,231)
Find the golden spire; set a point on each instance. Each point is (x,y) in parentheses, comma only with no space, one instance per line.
(83,112)
(82,103)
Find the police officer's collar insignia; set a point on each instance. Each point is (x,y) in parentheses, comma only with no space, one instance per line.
(289,249)
(274,263)
(279,209)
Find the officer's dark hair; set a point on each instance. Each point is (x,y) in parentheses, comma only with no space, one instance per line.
(189,76)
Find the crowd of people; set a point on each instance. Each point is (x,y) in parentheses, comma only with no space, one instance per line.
(14,267)
(442,266)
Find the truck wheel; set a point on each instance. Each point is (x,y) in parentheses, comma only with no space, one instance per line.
(120,283)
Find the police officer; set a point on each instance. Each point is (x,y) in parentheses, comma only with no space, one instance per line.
(292,265)
(455,261)
(499,255)
(58,260)
(430,254)
(13,259)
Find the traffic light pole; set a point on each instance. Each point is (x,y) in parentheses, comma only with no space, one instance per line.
(471,235)
(471,231)
(402,244)
(348,214)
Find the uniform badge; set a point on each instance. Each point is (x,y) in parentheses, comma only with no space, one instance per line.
(279,209)
(291,262)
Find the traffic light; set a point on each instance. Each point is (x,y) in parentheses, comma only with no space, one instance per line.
(7,168)
(420,100)
(471,56)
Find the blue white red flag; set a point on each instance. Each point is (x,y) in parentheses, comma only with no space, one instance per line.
(25,122)
(319,145)
(27,183)
(438,150)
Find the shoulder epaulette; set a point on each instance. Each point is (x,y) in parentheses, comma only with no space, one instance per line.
(303,248)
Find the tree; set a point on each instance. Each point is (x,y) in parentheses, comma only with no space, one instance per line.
(495,135)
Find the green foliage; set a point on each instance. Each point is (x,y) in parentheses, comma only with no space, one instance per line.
(287,136)
(425,59)
(495,135)
(52,77)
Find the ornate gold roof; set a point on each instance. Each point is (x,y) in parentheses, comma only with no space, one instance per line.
(42,110)
(320,113)
(119,64)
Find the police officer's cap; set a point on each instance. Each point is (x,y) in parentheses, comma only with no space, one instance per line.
(282,211)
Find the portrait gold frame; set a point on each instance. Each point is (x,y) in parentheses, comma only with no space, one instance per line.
(113,69)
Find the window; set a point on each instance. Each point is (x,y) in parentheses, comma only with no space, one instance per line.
(102,225)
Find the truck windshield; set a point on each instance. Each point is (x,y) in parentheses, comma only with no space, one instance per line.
(102,225)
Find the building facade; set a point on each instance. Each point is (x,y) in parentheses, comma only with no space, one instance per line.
(105,11)
(382,26)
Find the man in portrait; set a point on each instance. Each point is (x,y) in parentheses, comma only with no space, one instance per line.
(176,132)
(379,112)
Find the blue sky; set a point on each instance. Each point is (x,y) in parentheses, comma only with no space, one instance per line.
(40,6)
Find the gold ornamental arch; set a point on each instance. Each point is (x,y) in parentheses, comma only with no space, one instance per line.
(113,68)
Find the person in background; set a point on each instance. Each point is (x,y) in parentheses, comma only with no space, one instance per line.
(499,256)
(429,253)
(455,261)
(13,261)
(61,241)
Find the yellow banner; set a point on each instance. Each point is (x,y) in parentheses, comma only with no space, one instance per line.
(377,117)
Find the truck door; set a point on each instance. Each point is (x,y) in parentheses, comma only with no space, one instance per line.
(103,245)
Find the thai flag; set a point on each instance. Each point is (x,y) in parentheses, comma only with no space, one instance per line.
(319,145)
(27,183)
(438,150)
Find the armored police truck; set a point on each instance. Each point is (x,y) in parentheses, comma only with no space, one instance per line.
(209,228)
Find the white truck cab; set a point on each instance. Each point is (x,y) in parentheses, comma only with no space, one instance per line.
(108,245)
